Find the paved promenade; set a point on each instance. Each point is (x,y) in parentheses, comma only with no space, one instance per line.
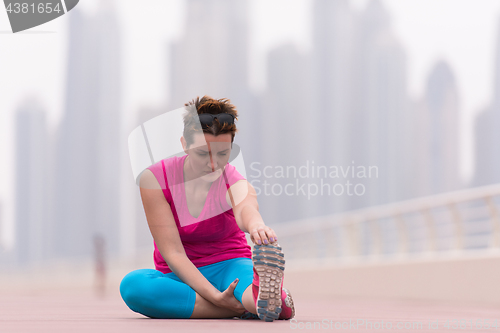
(81,310)
(63,298)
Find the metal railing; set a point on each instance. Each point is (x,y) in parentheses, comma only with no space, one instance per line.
(455,224)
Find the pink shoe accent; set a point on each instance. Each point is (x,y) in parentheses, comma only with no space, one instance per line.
(287,307)
(255,277)
(255,293)
(255,286)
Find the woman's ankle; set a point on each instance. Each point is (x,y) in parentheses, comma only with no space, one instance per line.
(204,309)
(248,300)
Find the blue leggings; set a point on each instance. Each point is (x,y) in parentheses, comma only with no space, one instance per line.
(157,295)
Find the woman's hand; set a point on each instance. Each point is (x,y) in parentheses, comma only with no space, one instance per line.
(227,300)
(262,234)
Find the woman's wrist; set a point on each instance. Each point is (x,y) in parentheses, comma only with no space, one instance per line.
(214,297)
(255,224)
(251,218)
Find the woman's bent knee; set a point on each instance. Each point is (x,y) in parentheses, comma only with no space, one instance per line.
(133,288)
(151,293)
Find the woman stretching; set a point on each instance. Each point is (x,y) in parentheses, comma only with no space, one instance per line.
(198,208)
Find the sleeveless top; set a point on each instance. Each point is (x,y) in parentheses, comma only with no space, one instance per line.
(214,235)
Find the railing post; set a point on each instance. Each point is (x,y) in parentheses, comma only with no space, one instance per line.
(403,247)
(376,237)
(330,244)
(431,243)
(314,246)
(495,220)
(459,230)
(352,228)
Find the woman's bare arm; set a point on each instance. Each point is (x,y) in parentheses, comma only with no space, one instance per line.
(243,198)
(164,231)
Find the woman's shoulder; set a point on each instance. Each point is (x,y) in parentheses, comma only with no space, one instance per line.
(232,173)
(167,162)
(163,168)
(149,180)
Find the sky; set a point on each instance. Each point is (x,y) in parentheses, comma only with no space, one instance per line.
(32,63)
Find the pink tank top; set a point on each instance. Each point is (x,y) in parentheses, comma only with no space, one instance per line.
(209,238)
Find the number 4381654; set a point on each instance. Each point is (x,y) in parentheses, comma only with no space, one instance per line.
(463,324)
(32,8)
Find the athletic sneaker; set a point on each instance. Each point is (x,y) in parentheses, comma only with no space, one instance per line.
(248,315)
(288,309)
(267,285)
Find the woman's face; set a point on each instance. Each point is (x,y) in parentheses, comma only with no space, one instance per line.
(208,155)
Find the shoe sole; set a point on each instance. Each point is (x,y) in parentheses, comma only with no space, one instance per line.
(269,262)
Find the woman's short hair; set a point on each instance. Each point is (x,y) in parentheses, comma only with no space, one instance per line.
(207,104)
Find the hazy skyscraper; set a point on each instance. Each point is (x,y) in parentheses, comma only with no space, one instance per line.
(31,185)
(378,134)
(211,57)
(288,117)
(485,146)
(419,170)
(487,133)
(330,104)
(88,148)
(388,113)
(441,99)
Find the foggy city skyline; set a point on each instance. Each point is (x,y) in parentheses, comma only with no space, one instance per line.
(436,113)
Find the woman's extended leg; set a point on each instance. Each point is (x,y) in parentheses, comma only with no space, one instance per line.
(157,295)
(241,268)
